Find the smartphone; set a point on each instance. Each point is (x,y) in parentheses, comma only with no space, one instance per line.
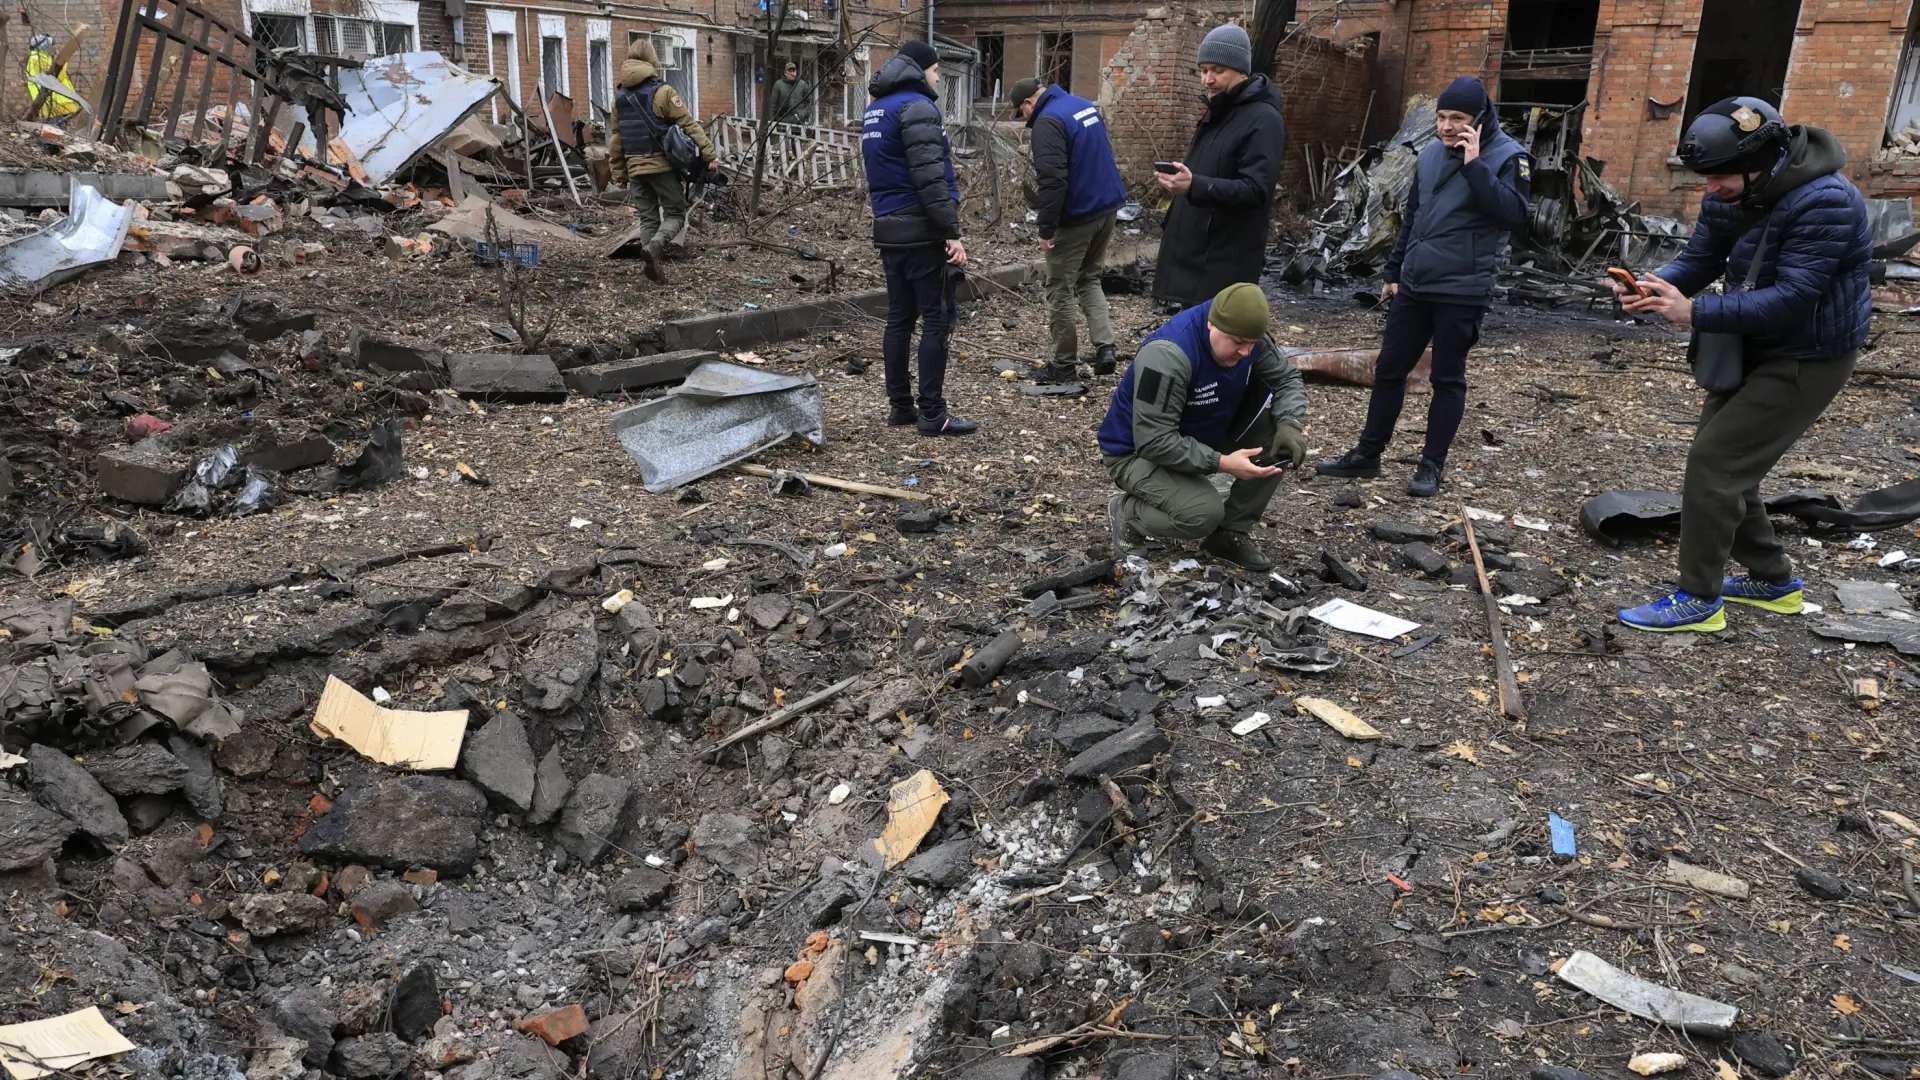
(1627,279)
(1166,167)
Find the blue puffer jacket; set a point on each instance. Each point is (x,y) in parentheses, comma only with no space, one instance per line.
(910,180)
(1812,300)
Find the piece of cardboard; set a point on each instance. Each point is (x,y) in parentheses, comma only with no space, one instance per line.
(1338,718)
(411,740)
(912,806)
(39,1047)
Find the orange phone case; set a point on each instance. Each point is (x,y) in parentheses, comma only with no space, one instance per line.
(1627,279)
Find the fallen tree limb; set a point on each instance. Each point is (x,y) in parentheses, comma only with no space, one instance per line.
(1510,703)
(781,716)
(819,480)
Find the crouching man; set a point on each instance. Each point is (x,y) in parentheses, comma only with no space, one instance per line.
(1206,393)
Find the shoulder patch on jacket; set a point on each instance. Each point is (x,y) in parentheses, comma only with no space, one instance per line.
(1149,388)
(1524,165)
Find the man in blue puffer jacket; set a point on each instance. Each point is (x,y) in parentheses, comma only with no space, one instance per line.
(1802,326)
(916,226)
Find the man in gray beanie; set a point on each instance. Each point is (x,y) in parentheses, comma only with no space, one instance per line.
(1216,231)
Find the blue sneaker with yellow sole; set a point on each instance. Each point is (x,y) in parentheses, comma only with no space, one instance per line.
(1677,611)
(1786,599)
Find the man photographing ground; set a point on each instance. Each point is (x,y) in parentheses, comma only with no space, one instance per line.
(1205,394)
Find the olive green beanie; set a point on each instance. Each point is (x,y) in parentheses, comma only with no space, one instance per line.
(1240,310)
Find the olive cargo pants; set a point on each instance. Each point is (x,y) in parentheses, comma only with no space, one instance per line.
(1074,263)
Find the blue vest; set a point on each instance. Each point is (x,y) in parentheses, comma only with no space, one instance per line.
(890,187)
(1093,180)
(1455,249)
(634,116)
(1213,394)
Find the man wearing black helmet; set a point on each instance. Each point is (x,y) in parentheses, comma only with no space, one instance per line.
(1800,317)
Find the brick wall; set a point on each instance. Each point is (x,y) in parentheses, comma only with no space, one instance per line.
(1152,95)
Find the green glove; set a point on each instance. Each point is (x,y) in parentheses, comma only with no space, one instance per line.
(1289,441)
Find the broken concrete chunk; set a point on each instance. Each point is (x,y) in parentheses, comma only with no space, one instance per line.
(1649,1001)
(1825,886)
(370,1057)
(1146,1065)
(1764,1053)
(595,812)
(201,786)
(268,914)
(943,865)
(136,475)
(499,762)
(1708,881)
(248,755)
(286,451)
(374,354)
(30,834)
(139,769)
(642,888)
(402,822)
(556,676)
(506,378)
(70,791)
(1136,745)
(728,841)
(307,1013)
(380,902)
(417,1004)
(1399,532)
(898,695)
(1006,1068)
(637,373)
(1422,558)
(550,788)
(1077,733)
(767,610)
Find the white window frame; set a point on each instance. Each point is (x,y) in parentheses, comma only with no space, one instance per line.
(555,26)
(296,9)
(501,23)
(853,89)
(600,30)
(681,37)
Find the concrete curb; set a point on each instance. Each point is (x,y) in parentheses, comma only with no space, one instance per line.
(744,329)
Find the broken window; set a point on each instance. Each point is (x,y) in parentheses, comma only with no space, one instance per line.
(1905,112)
(677,70)
(335,35)
(1056,59)
(992,48)
(853,92)
(745,87)
(600,77)
(1548,54)
(279,31)
(395,38)
(1744,47)
(553,64)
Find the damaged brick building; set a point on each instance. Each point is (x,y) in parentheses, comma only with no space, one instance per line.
(1645,69)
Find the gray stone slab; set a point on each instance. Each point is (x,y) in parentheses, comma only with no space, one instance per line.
(506,378)
(637,373)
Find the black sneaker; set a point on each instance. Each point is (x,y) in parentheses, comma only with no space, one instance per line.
(1353,463)
(1048,375)
(946,424)
(1237,548)
(1127,540)
(1104,360)
(899,417)
(1426,479)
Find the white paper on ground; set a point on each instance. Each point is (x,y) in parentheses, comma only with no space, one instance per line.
(1251,724)
(1476,514)
(58,1042)
(1355,619)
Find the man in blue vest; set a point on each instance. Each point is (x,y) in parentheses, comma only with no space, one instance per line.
(1079,189)
(916,226)
(1205,394)
(1469,191)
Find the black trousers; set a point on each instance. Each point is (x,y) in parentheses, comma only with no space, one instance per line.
(1453,330)
(920,288)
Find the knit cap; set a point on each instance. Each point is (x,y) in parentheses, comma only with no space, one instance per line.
(1465,94)
(1240,310)
(1228,46)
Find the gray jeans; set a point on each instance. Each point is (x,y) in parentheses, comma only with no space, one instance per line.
(1073,279)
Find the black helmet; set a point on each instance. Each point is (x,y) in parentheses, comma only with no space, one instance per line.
(1738,135)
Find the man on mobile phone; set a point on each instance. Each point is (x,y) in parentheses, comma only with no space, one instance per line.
(1079,189)
(1469,191)
(1216,230)
(1205,394)
(1775,193)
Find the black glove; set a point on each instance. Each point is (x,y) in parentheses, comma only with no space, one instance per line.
(715,176)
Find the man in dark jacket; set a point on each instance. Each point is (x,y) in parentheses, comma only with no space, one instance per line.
(1469,191)
(791,100)
(1216,231)
(1774,193)
(1205,394)
(916,226)
(1079,190)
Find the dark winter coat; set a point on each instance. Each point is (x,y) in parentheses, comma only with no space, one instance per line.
(1812,301)
(1216,234)
(1457,217)
(1072,162)
(910,181)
